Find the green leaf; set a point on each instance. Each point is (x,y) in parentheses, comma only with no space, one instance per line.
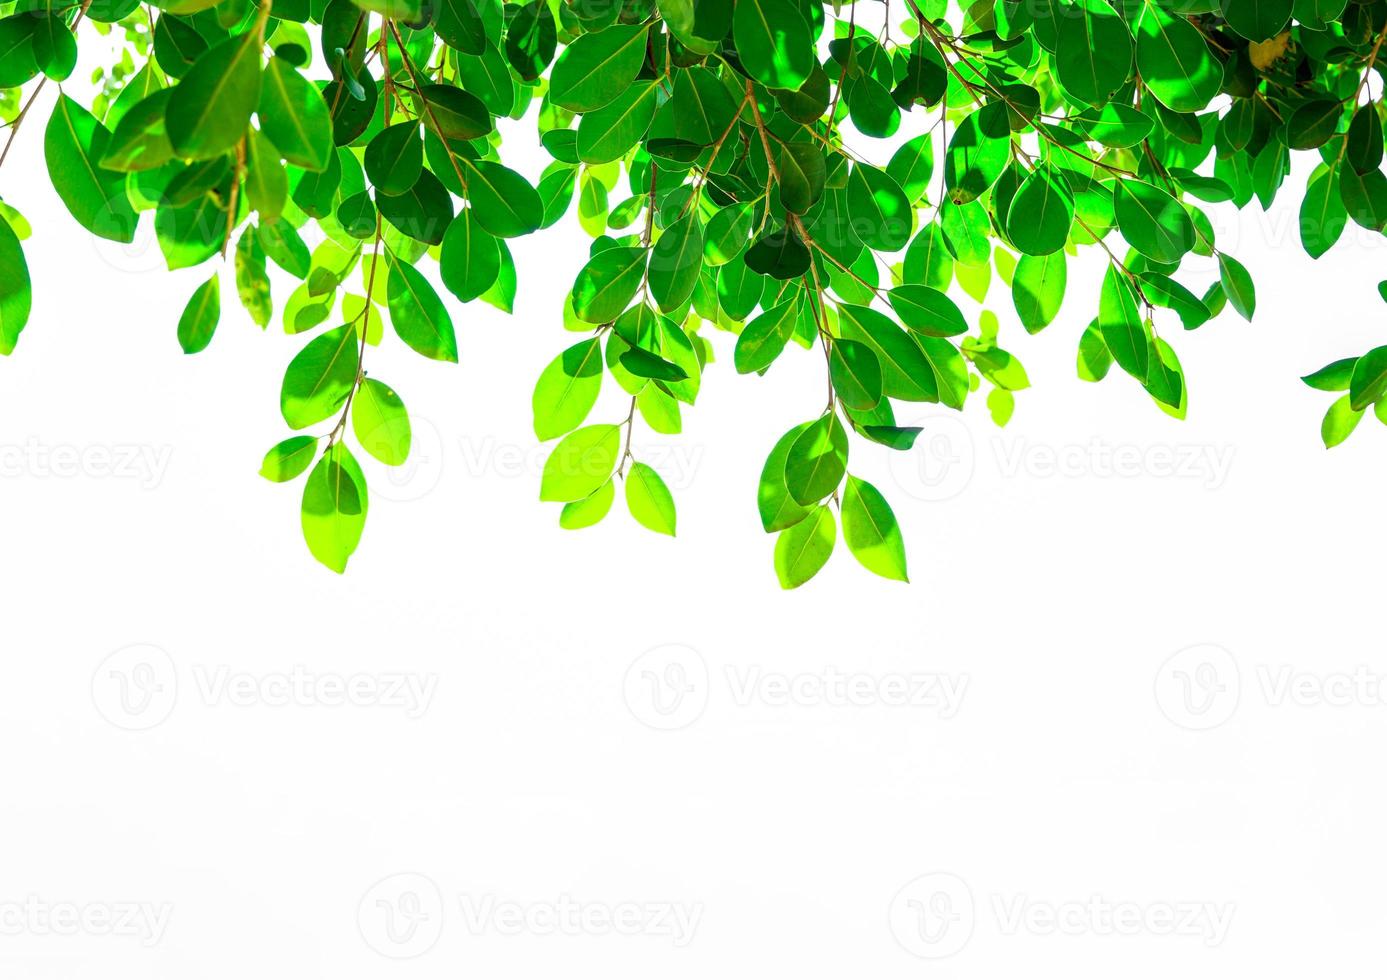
(16,293)
(804,548)
(140,141)
(1363,151)
(596,68)
(1094,358)
(1115,125)
(774,42)
(905,372)
(580,463)
(1369,380)
(470,259)
(649,500)
(583,513)
(1123,329)
(1334,376)
(73,144)
(424,212)
(1041,213)
(697,26)
(1257,20)
(454,114)
(54,46)
(779,254)
(947,364)
(675,262)
(1175,62)
(567,389)
(871,531)
(607,284)
(1322,213)
(381,423)
(762,340)
(17,61)
(856,374)
(1152,221)
(289,458)
(927,311)
(461,26)
(1313,123)
(531,38)
(912,165)
(320,377)
(200,317)
(879,208)
(1037,289)
(1165,381)
(778,509)
(607,133)
(1339,422)
(333,513)
(1238,286)
(802,175)
(704,109)
(394,158)
(979,151)
(817,460)
(294,116)
(725,235)
(210,108)
(419,316)
(503,202)
(1094,52)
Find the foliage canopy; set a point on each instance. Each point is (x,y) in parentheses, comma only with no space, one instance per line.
(720,154)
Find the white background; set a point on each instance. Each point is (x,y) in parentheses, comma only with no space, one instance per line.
(1074,771)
